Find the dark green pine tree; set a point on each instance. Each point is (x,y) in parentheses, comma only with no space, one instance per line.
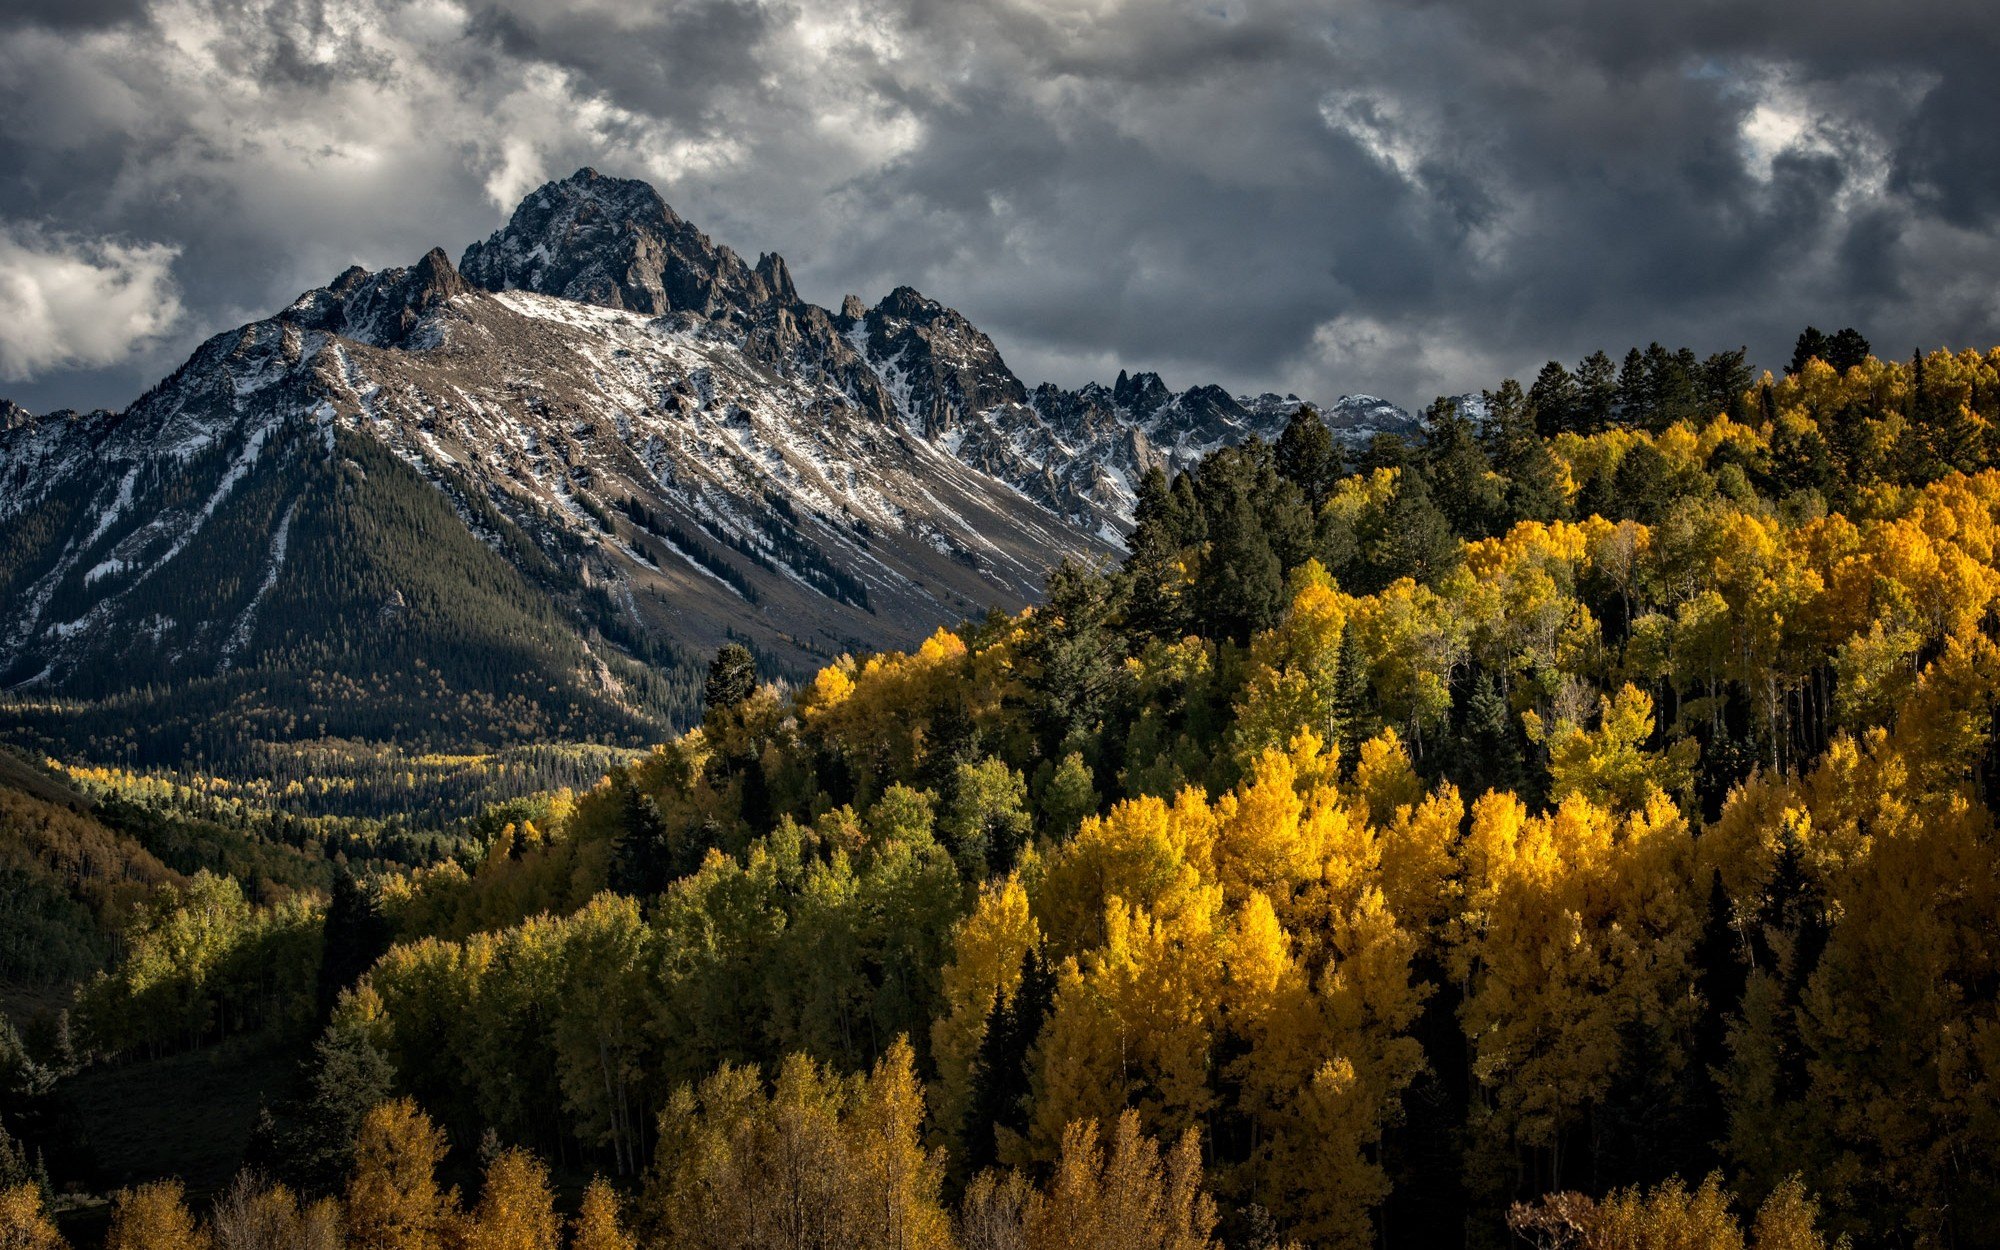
(1634,406)
(1240,587)
(643,862)
(355,935)
(1510,425)
(1489,753)
(1534,486)
(1414,540)
(732,678)
(1553,400)
(1187,513)
(1000,1076)
(1461,480)
(1847,349)
(1643,484)
(1353,702)
(1672,387)
(1156,602)
(1596,393)
(347,1077)
(1726,379)
(1811,345)
(1308,457)
(1077,660)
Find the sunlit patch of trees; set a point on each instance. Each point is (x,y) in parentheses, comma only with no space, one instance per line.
(1577,826)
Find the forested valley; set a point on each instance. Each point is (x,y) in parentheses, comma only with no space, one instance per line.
(1574,828)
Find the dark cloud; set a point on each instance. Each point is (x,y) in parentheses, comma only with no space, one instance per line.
(70,14)
(1377,195)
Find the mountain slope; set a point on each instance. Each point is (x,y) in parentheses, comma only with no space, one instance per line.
(526,495)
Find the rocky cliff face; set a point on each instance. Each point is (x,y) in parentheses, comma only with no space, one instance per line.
(621,439)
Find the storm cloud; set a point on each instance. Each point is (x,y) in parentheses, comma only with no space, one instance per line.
(1398,198)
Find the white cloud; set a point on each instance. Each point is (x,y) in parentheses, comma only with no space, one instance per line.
(77,303)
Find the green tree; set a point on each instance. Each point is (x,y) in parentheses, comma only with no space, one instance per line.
(1308,457)
(732,678)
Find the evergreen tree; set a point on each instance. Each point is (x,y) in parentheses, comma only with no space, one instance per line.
(1076,657)
(1000,1072)
(355,935)
(732,678)
(348,1078)
(1846,350)
(1240,588)
(1460,477)
(1643,484)
(1489,752)
(1596,393)
(1308,457)
(643,858)
(1553,400)
(1811,345)
(1725,379)
(1156,600)
(1510,425)
(1634,405)
(1413,540)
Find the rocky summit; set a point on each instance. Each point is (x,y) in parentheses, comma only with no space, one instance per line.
(550,479)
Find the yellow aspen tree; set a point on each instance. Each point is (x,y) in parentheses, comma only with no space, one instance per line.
(1609,765)
(1668,1217)
(1324,1076)
(993,1214)
(516,1210)
(1294,681)
(1577,927)
(1145,852)
(320,1226)
(23,1223)
(251,1215)
(1272,833)
(1143,1014)
(1126,1198)
(988,948)
(1384,778)
(153,1216)
(596,1226)
(895,1183)
(393,1198)
(1419,862)
(1789,1220)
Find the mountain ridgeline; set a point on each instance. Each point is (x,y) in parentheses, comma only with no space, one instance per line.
(525,496)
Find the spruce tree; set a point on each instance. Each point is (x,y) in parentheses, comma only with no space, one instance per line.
(1241,586)
(355,935)
(1156,602)
(1847,349)
(1643,484)
(1000,1072)
(642,855)
(1414,540)
(732,678)
(1076,657)
(1811,345)
(1460,476)
(1553,399)
(1596,393)
(1634,405)
(1308,457)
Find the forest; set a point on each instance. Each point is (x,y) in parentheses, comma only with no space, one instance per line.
(1575,827)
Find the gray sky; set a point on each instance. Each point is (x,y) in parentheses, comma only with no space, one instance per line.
(1397,198)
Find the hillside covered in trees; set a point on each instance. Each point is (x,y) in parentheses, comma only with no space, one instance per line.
(1573,828)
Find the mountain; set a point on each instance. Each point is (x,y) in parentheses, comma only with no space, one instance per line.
(528,493)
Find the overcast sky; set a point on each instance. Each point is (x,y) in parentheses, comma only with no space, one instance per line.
(1396,198)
